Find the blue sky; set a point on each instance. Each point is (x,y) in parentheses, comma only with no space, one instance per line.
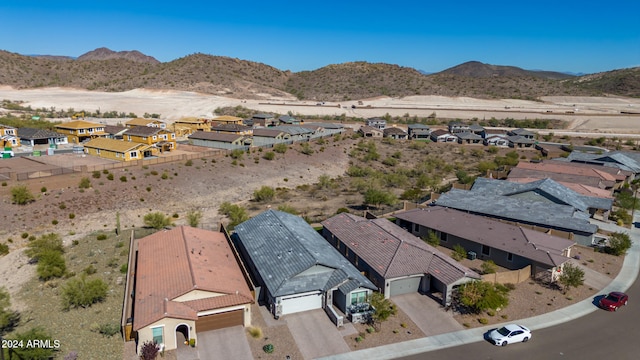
(576,36)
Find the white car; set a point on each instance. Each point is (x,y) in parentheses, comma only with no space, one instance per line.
(508,334)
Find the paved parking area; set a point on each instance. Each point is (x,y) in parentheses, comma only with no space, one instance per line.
(427,314)
(315,334)
(228,343)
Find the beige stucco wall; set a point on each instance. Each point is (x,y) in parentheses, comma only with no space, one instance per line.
(196,295)
(169,332)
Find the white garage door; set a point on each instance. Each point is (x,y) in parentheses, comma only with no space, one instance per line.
(405,286)
(306,302)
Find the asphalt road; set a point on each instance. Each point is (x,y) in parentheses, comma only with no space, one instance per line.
(599,335)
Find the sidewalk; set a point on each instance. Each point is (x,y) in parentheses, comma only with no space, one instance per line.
(622,282)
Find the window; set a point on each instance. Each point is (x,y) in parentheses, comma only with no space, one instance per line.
(164,137)
(509,257)
(356,260)
(144,138)
(81,131)
(486,250)
(416,228)
(443,236)
(157,335)
(133,154)
(173,136)
(117,154)
(98,151)
(155,137)
(358,297)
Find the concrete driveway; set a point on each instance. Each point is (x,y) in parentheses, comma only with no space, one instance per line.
(315,334)
(427,314)
(228,343)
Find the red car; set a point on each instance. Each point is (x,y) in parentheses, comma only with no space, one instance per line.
(613,301)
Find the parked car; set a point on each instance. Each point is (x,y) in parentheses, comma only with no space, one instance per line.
(614,300)
(508,334)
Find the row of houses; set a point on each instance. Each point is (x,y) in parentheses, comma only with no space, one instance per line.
(190,280)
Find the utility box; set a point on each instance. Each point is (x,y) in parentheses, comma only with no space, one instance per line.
(471,255)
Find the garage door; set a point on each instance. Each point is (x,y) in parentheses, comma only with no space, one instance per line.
(405,286)
(301,303)
(220,320)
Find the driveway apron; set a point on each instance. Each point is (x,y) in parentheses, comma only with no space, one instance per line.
(427,314)
(315,334)
(227,343)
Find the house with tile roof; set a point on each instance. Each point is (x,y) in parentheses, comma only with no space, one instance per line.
(145,122)
(296,268)
(469,138)
(370,132)
(232,128)
(115,131)
(541,214)
(270,136)
(117,149)
(545,190)
(78,131)
(510,246)
(418,131)
(395,133)
(517,141)
(220,140)
(499,140)
(522,132)
(593,175)
(160,140)
(441,135)
(376,122)
(33,136)
(396,261)
(187,281)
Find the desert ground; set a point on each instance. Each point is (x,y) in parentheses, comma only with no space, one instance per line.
(209,181)
(614,115)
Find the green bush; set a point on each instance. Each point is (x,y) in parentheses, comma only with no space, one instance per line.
(4,249)
(157,220)
(619,243)
(101,237)
(478,296)
(83,293)
(51,264)
(124,268)
(458,252)
(96,174)
(269,155)
(21,195)
(90,270)
(43,189)
(235,213)
(123,178)
(110,176)
(488,267)
(265,193)
(109,329)
(280,148)
(188,163)
(85,183)
(268,348)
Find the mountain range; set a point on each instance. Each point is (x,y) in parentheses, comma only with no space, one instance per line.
(106,70)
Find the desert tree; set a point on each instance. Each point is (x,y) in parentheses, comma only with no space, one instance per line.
(194,217)
(572,276)
(157,220)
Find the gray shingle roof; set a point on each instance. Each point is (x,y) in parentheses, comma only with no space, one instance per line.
(283,246)
(541,190)
(530,244)
(561,217)
(468,136)
(521,132)
(295,129)
(418,126)
(517,139)
(613,159)
(213,136)
(392,251)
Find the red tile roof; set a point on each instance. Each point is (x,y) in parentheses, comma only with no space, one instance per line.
(392,251)
(175,262)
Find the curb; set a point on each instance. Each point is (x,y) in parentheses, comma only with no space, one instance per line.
(623,281)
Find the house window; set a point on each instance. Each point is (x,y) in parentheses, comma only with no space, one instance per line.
(509,257)
(443,236)
(486,250)
(356,260)
(416,228)
(117,154)
(173,136)
(358,297)
(98,151)
(155,137)
(158,337)
(81,131)
(164,137)
(133,154)
(346,252)
(144,138)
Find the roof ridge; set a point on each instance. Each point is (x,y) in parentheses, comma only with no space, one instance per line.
(186,247)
